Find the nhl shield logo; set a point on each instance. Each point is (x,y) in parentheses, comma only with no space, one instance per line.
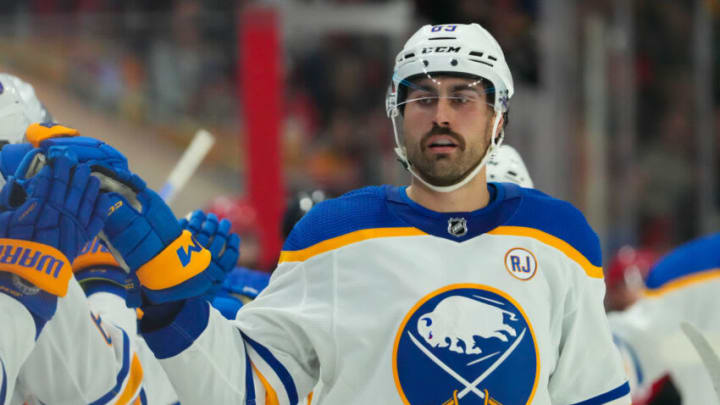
(457,227)
(466,344)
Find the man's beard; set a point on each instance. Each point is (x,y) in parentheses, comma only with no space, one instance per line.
(443,170)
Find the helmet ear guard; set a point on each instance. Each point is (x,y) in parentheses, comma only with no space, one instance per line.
(457,50)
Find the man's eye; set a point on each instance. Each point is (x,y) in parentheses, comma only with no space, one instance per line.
(426,100)
(461,100)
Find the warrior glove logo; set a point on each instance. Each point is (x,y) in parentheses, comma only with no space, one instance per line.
(466,344)
(185,255)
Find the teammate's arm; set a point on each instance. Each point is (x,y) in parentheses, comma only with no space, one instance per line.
(208,358)
(41,226)
(80,357)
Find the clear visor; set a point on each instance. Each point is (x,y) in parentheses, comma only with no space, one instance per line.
(431,91)
(425,102)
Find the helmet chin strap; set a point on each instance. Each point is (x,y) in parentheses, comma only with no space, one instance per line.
(495,141)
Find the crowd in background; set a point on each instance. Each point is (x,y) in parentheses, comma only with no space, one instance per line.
(172,64)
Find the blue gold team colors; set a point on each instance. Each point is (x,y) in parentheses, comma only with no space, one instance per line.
(681,287)
(379,300)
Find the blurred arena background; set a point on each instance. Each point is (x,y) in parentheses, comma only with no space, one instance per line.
(616,105)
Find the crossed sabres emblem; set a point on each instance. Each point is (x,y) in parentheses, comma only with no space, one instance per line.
(468,386)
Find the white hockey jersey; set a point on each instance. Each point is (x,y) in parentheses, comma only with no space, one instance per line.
(683,286)
(79,359)
(383,301)
(17,339)
(157,389)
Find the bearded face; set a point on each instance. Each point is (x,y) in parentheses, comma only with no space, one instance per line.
(447,127)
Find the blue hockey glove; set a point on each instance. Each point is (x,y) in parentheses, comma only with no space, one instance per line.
(106,162)
(12,155)
(96,270)
(49,135)
(246,283)
(241,286)
(45,220)
(215,236)
(168,262)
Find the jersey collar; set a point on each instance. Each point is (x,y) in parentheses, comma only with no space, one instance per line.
(505,199)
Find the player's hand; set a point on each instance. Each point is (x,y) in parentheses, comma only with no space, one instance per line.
(167,261)
(216,237)
(241,286)
(96,269)
(49,135)
(45,220)
(106,163)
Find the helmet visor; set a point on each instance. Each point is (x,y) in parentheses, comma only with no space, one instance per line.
(462,92)
(428,100)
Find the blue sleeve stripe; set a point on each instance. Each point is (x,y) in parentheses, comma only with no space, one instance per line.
(682,282)
(188,325)
(122,375)
(633,357)
(694,257)
(143,397)
(249,383)
(3,387)
(611,395)
(279,369)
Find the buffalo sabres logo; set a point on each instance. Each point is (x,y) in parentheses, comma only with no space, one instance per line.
(457,227)
(466,344)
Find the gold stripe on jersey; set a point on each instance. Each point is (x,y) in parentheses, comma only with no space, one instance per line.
(133,384)
(682,282)
(344,240)
(271,397)
(590,269)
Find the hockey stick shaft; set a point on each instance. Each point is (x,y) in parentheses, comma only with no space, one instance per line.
(187,165)
(709,357)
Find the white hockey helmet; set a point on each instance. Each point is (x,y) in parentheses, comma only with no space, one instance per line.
(466,50)
(506,165)
(19,107)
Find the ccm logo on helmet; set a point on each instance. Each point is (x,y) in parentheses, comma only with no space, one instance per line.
(441,49)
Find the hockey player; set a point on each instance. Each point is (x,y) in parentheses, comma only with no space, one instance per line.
(681,287)
(243,284)
(447,291)
(97,360)
(45,219)
(103,281)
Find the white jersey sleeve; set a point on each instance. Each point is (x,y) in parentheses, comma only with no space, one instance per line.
(583,339)
(157,389)
(81,359)
(218,361)
(17,339)
(680,288)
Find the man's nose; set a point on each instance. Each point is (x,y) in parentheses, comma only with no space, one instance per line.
(443,112)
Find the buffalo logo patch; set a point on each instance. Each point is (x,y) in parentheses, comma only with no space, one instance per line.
(466,344)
